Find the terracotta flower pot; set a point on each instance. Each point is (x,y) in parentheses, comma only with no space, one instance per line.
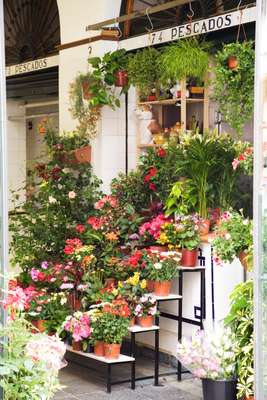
(152,97)
(41,325)
(146,321)
(232,62)
(249,398)
(76,346)
(112,351)
(86,90)
(189,258)
(162,288)
(204,227)
(121,78)
(132,322)
(99,349)
(83,155)
(242,257)
(150,286)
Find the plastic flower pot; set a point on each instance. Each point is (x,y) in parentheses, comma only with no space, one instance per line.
(112,351)
(83,155)
(76,346)
(204,227)
(121,78)
(219,390)
(146,321)
(99,349)
(189,258)
(243,259)
(232,62)
(162,288)
(150,286)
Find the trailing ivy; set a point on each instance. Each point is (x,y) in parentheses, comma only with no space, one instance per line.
(234,88)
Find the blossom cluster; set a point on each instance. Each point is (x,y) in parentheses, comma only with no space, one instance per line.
(78,325)
(146,306)
(47,349)
(153,227)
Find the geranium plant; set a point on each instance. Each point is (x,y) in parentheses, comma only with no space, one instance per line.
(78,325)
(244,159)
(164,265)
(182,234)
(233,236)
(147,305)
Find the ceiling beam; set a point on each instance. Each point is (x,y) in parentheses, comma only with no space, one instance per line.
(127,24)
(138,14)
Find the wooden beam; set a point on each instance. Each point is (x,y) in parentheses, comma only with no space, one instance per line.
(138,14)
(87,41)
(127,24)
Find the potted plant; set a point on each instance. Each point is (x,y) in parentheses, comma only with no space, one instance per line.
(163,268)
(145,310)
(186,58)
(78,325)
(113,67)
(114,328)
(97,338)
(209,356)
(144,72)
(234,83)
(240,321)
(233,238)
(183,234)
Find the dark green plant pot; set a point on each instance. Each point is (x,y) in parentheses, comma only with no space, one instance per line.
(219,390)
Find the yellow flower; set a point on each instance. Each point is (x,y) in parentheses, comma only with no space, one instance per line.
(120,284)
(143,284)
(134,280)
(115,292)
(163,238)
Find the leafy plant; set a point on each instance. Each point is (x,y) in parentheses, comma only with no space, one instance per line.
(147,305)
(113,327)
(233,236)
(186,58)
(183,234)
(234,88)
(240,320)
(109,64)
(24,375)
(164,266)
(182,198)
(144,70)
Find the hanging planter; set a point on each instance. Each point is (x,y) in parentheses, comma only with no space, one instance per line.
(219,390)
(87,94)
(83,155)
(162,288)
(243,259)
(232,62)
(189,258)
(121,78)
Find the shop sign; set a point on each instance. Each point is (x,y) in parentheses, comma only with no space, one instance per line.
(199,27)
(32,66)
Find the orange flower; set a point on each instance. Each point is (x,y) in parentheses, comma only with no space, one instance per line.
(86,261)
(112,236)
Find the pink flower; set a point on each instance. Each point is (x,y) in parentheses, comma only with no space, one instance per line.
(72,195)
(37,275)
(112,201)
(67,286)
(218,261)
(235,163)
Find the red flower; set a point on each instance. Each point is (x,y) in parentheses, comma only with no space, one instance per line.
(161,152)
(80,228)
(241,157)
(152,187)
(153,171)
(69,249)
(147,178)
(95,222)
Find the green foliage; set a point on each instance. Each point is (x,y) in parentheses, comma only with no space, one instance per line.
(21,377)
(164,270)
(109,64)
(144,70)
(240,320)
(234,88)
(41,224)
(182,199)
(181,235)
(111,328)
(187,58)
(234,235)
(67,141)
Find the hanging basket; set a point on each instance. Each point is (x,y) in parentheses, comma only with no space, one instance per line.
(87,94)
(232,62)
(121,78)
(243,259)
(83,155)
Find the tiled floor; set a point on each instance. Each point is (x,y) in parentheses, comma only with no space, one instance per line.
(81,383)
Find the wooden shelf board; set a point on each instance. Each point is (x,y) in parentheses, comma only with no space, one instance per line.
(169,102)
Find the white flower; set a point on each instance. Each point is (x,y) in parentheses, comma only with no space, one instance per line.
(245,222)
(227,236)
(72,195)
(158,265)
(52,200)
